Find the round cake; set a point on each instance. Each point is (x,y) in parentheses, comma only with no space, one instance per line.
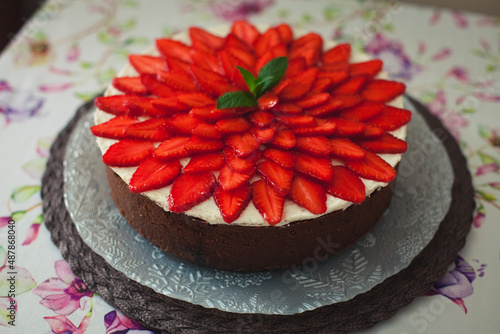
(249,149)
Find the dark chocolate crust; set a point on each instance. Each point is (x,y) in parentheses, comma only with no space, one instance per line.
(243,248)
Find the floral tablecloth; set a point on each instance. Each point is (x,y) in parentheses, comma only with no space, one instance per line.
(69,51)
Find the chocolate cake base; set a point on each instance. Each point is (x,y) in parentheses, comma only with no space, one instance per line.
(248,248)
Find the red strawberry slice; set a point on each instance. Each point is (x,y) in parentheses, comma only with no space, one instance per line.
(339,53)
(283,139)
(298,121)
(230,63)
(144,105)
(263,135)
(362,111)
(267,101)
(315,146)
(390,118)
(308,194)
(308,46)
(267,201)
(279,50)
(345,149)
(240,165)
(279,177)
(281,86)
(156,87)
(201,145)
(130,85)
(154,129)
(231,203)
(336,77)
(300,86)
(175,49)
(295,67)
(172,148)
(178,80)
(242,144)
(312,100)
(114,128)
(195,99)
(387,143)
(335,67)
(288,108)
(207,61)
(245,32)
(116,105)
(214,83)
(317,168)
(144,64)
(233,42)
(266,41)
(190,189)
(229,179)
(322,85)
(233,125)
(382,90)
(203,40)
(322,128)
(371,132)
(281,157)
(246,57)
(370,68)
(183,124)
(352,85)
(211,113)
(170,105)
(372,167)
(127,153)
(261,119)
(345,128)
(285,32)
(153,174)
(346,185)
(204,162)
(332,105)
(204,130)
(175,64)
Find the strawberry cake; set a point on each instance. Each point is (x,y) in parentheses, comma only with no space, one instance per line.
(248,149)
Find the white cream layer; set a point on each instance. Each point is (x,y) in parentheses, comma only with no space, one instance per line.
(208,210)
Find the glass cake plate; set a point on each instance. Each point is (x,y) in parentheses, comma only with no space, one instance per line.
(421,200)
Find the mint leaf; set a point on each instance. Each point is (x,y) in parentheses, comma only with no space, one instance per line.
(249,78)
(236,99)
(276,69)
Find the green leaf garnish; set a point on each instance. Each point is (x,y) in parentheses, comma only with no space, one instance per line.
(269,76)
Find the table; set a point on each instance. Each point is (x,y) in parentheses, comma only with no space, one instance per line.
(69,51)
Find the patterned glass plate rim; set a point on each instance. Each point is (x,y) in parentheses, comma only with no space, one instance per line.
(421,200)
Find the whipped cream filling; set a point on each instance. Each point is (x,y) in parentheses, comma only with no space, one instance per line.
(250,216)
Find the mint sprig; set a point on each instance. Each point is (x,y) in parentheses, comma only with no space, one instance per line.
(269,76)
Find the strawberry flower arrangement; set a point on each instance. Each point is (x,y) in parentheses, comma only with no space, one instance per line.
(259,117)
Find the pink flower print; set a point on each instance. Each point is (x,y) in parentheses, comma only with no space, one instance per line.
(460,20)
(233,10)
(18,106)
(62,325)
(478,219)
(452,120)
(487,168)
(4,221)
(65,293)
(117,323)
(459,72)
(442,54)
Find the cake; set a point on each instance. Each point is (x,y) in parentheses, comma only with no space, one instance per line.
(250,149)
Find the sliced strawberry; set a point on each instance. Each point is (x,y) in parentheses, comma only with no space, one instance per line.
(279,50)
(317,168)
(288,108)
(245,32)
(154,129)
(331,106)
(130,85)
(144,64)
(229,179)
(315,146)
(383,90)
(211,113)
(283,139)
(322,128)
(114,128)
(390,118)
(246,57)
(116,105)
(267,101)
(230,63)
(352,85)
(178,80)
(204,162)
(370,68)
(362,111)
(339,53)
(172,148)
(233,42)
(127,153)
(345,149)
(171,105)
(285,33)
(295,67)
(321,85)
(195,99)
(298,121)
(267,201)
(144,105)
(183,124)
(335,67)
(207,61)
(312,100)
(266,41)
(176,49)
(156,87)
(346,185)
(336,77)
(308,194)
(263,135)
(284,83)
(215,84)
(372,167)
(279,177)
(300,86)
(204,130)
(281,157)
(242,144)
(153,174)
(261,119)
(240,165)
(233,125)
(178,65)
(203,40)
(387,143)
(309,47)
(203,145)
(190,189)
(345,128)
(371,132)
(231,203)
